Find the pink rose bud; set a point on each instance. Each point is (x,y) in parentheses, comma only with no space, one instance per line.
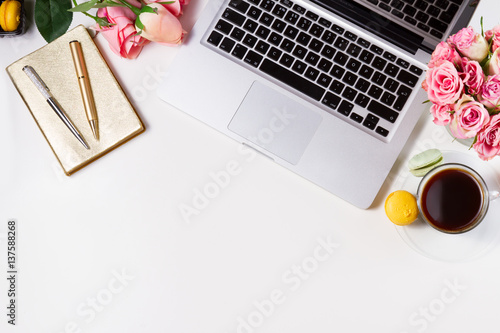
(472,75)
(468,119)
(495,34)
(122,35)
(161,27)
(494,63)
(443,84)
(470,44)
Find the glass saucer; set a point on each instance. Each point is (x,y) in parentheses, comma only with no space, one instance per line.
(455,247)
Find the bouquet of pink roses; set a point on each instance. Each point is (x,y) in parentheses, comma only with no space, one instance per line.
(463,84)
(128,25)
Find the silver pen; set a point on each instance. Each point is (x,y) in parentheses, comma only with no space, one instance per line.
(44,90)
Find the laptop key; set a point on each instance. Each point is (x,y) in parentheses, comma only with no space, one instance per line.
(362,85)
(312,73)
(291,17)
(304,23)
(382,111)
(254,12)
(215,38)
(227,44)
(299,9)
(239,51)
(287,3)
(279,11)
(275,39)
(262,47)
(249,40)
(328,52)
(324,22)
(299,66)
(407,78)
(341,43)
(316,45)
(237,34)
(234,17)
(337,87)
(296,81)
(324,80)
(274,54)
(382,131)
(362,100)
(316,30)
(239,5)
(299,52)
(267,5)
(312,58)
(337,71)
(286,60)
(263,32)
(438,25)
(345,108)
(266,19)
(278,25)
(291,31)
(287,45)
(253,58)
(331,100)
(337,29)
(356,117)
(340,58)
(224,26)
(349,93)
(312,16)
(415,70)
(250,25)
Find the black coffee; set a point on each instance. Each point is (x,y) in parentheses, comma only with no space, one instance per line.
(452,200)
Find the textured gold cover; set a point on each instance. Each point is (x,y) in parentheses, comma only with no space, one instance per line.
(118,121)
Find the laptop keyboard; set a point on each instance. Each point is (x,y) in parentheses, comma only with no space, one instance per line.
(318,58)
(430,16)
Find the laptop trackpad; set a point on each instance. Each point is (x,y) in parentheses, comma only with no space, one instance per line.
(275,122)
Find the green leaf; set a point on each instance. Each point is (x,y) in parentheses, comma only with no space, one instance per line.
(52,18)
(166,2)
(84,7)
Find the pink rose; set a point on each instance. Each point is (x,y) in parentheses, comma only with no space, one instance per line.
(121,36)
(442,114)
(472,75)
(494,63)
(495,34)
(162,26)
(490,92)
(468,119)
(444,86)
(470,44)
(445,51)
(488,140)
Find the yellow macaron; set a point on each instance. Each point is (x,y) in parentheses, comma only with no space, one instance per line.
(401,207)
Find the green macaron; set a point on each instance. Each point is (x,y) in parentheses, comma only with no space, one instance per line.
(424,162)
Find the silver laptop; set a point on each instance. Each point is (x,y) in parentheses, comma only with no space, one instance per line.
(329,89)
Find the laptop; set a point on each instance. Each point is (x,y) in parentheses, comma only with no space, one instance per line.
(330,89)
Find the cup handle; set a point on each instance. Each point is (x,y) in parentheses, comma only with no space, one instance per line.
(494,195)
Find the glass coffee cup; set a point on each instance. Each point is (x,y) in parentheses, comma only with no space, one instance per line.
(453,198)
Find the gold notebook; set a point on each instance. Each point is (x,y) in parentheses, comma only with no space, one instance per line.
(118,121)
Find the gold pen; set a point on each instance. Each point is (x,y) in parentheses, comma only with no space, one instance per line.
(84,83)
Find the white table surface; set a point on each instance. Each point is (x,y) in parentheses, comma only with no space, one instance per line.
(108,250)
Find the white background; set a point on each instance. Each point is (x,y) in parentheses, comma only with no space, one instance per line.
(108,250)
